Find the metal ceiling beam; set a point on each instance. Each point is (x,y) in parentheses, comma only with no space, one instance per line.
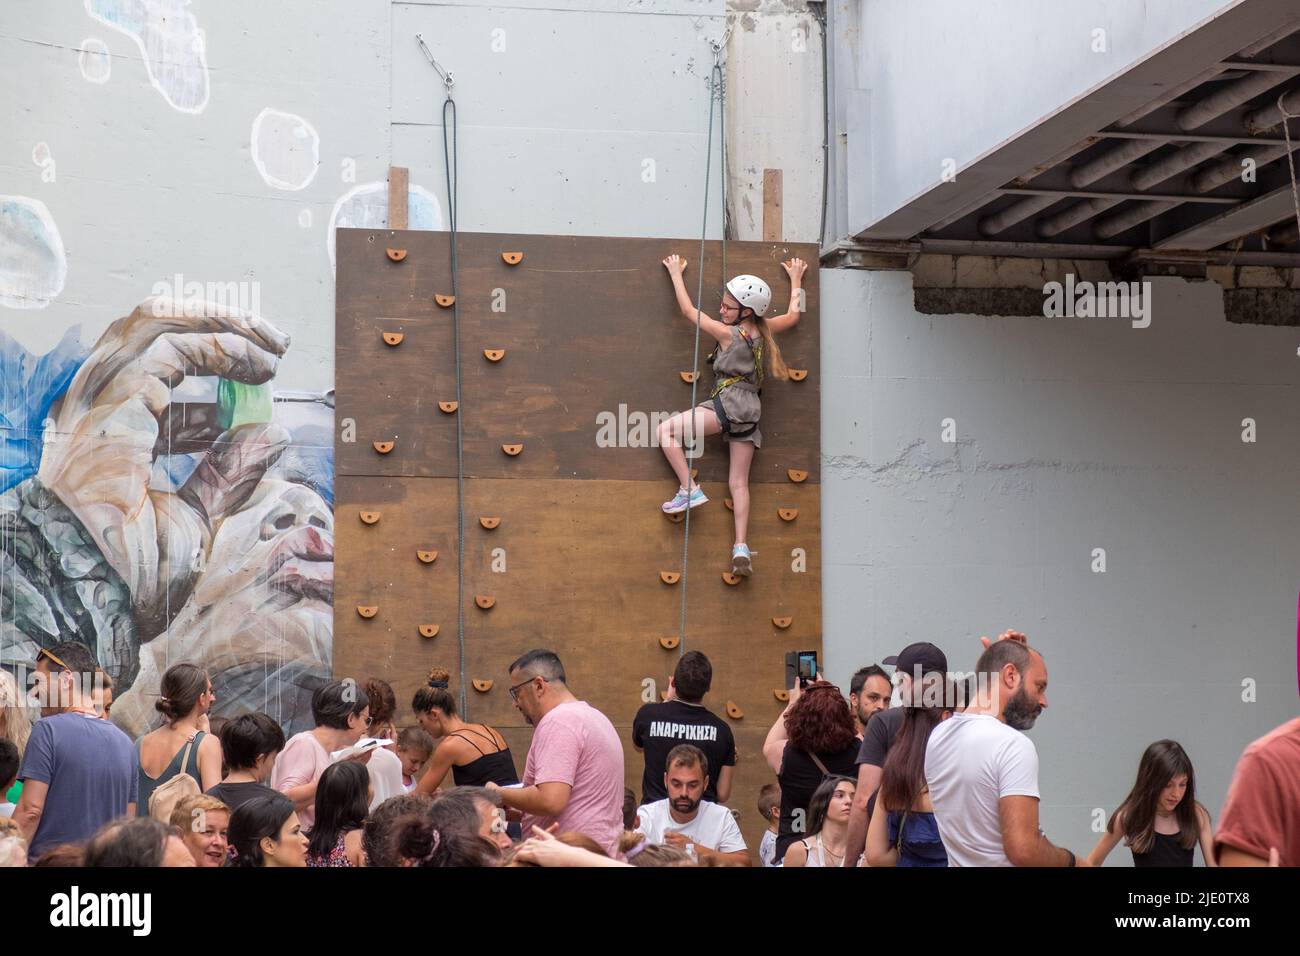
(1111,194)
(1180,137)
(1243,219)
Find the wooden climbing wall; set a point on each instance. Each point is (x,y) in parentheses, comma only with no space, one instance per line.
(574,561)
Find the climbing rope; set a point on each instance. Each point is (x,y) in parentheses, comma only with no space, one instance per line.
(717,94)
(450,144)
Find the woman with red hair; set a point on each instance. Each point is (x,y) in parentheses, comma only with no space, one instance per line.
(812,739)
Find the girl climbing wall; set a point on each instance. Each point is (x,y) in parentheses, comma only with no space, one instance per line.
(746,353)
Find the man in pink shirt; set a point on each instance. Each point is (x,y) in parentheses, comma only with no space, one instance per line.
(574,773)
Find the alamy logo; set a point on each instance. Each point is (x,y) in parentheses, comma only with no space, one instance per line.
(132,910)
(1099,300)
(177,298)
(626,429)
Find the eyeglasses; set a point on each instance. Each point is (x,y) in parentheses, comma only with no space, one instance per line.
(43,652)
(514,691)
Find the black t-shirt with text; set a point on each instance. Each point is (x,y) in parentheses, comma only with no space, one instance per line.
(658,728)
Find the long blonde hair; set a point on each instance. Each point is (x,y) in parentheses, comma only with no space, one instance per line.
(13,705)
(776,366)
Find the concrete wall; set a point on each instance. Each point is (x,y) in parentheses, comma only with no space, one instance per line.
(160,143)
(1005,65)
(1071,434)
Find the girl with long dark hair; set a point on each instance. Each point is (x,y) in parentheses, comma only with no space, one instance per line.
(1160,820)
(813,737)
(903,831)
(342,801)
(265,832)
(828,825)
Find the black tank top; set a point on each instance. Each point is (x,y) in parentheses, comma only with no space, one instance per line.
(1165,851)
(496,766)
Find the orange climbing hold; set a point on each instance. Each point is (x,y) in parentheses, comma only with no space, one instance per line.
(394,338)
(367,610)
(782,622)
(489,523)
(669,643)
(512,450)
(732,579)
(484,601)
(446,301)
(788,514)
(670,577)
(734,711)
(383,447)
(512,258)
(428,630)
(428,557)
(449,407)
(494,355)
(482,686)
(798,374)
(796,475)
(397,255)
(369,517)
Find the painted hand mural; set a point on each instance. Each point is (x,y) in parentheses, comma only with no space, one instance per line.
(160,531)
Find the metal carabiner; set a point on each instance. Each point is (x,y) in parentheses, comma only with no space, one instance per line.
(446,76)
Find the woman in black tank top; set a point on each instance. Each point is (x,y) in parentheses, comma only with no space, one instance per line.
(476,754)
(1160,820)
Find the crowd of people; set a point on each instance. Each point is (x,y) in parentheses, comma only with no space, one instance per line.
(925,767)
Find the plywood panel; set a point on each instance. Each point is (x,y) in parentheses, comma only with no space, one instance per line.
(573,562)
(377,566)
(589,329)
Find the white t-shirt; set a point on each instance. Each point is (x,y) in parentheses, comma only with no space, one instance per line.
(767,849)
(385,775)
(971,762)
(713,827)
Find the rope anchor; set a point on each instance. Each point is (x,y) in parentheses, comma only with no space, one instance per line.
(446,76)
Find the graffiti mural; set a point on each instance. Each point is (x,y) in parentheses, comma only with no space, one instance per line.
(160,502)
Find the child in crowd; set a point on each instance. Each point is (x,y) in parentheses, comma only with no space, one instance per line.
(249,744)
(769,808)
(415,747)
(1160,820)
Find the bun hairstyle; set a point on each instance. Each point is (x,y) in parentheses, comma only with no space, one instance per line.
(181,688)
(435,694)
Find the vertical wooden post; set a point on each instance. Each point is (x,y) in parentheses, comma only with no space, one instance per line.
(399,178)
(772,200)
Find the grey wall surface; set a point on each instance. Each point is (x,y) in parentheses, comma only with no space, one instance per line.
(560,105)
(1072,434)
(1004,65)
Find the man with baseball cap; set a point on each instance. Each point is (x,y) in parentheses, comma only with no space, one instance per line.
(913,667)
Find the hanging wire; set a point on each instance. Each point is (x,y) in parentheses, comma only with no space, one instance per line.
(450,151)
(717,93)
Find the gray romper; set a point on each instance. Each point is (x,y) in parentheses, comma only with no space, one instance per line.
(738,369)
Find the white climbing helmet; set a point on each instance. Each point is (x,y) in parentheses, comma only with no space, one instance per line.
(751,292)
